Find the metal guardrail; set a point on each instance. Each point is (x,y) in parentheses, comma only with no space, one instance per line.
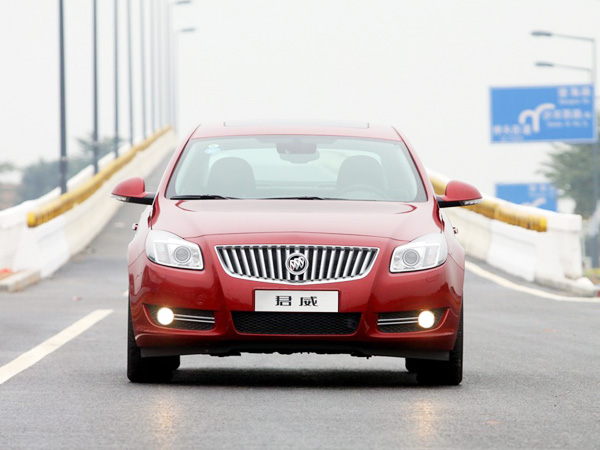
(497,211)
(69,199)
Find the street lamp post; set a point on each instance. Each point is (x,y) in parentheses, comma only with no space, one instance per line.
(562,66)
(169,65)
(63,117)
(143,65)
(160,68)
(95,132)
(116,139)
(152,67)
(596,179)
(130,73)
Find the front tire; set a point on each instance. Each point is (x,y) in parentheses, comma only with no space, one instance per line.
(447,373)
(140,369)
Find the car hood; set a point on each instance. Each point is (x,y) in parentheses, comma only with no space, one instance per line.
(400,221)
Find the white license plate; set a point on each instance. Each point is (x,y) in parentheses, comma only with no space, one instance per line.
(296,301)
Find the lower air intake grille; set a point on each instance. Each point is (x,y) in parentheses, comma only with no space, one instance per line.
(295,323)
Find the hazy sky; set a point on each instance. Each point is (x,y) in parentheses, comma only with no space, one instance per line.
(423,66)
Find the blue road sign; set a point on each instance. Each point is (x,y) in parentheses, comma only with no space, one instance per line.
(551,113)
(540,195)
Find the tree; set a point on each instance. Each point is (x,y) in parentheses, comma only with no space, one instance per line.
(6,167)
(571,170)
(41,177)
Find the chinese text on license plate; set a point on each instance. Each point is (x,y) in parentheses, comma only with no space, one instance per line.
(296,301)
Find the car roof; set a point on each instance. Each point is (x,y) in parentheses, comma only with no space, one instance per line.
(313,127)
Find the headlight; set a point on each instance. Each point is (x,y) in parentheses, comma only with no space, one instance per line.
(168,249)
(423,253)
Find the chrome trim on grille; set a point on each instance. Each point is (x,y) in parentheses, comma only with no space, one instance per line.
(398,321)
(327,263)
(199,319)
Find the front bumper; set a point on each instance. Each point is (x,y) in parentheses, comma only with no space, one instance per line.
(370,298)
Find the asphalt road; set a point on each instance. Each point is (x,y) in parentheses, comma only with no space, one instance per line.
(532,378)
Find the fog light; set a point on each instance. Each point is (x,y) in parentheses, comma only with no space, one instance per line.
(165,316)
(426,319)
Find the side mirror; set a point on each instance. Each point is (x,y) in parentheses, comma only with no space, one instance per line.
(459,194)
(133,190)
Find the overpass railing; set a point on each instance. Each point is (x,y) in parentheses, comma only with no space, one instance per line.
(41,235)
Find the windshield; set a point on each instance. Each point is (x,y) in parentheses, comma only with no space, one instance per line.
(307,167)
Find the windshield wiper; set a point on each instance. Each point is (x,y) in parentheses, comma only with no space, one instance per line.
(305,197)
(201,197)
(221,197)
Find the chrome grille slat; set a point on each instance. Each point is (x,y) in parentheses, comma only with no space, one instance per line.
(314,259)
(226,259)
(367,261)
(260,263)
(245,262)
(305,274)
(267,262)
(330,268)
(279,264)
(271,265)
(236,260)
(348,264)
(340,263)
(356,266)
(253,262)
(288,276)
(323,259)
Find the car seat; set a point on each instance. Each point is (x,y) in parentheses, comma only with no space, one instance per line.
(231,177)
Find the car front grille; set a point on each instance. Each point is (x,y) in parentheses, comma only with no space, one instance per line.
(405,321)
(324,264)
(295,323)
(186,319)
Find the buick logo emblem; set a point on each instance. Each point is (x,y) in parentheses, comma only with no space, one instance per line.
(296,264)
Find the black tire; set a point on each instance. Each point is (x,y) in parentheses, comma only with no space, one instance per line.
(446,373)
(412,364)
(140,369)
(172,362)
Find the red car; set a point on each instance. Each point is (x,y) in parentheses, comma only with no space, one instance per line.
(299,237)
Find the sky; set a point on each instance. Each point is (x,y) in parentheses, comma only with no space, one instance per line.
(424,66)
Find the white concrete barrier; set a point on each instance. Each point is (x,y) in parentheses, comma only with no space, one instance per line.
(47,247)
(552,257)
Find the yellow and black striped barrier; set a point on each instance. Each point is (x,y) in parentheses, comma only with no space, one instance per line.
(68,200)
(497,211)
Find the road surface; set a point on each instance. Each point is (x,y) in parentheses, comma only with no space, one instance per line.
(532,377)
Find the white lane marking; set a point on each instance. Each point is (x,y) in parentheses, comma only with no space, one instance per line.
(28,359)
(527,290)
(126,293)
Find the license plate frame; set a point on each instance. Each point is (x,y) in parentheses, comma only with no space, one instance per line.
(296,301)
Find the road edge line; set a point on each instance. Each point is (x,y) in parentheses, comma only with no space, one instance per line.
(474,268)
(36,354)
